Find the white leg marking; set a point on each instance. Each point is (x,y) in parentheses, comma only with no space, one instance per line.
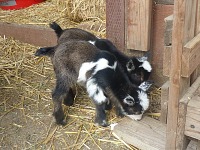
(95,92)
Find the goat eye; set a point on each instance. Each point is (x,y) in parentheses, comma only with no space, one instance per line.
(130,66)
(129,101)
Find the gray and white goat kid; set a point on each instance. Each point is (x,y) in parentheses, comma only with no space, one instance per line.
(104,79)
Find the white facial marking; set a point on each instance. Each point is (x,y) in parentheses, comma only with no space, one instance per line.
(146,65)
(144,101)
(135,117)
(95,92)
(92,42)
(130,103)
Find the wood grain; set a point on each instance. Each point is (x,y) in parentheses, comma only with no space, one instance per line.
(191,56)
(192,126)
(164,102)
(138,24)
(183,26)
(145,134)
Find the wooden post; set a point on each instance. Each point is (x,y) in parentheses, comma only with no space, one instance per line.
(196,73)
(164,102)
(182,32)
(138,24)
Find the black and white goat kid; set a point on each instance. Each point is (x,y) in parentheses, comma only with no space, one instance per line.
(138,69)
(104,79)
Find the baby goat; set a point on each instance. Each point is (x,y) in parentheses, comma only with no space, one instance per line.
(138,69)
(79,61)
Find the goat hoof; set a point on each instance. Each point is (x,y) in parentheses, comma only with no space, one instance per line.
(120,114)
(68,103)
(63,122)
(108,107)
(103,123)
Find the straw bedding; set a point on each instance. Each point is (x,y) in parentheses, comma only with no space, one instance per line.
(26,83)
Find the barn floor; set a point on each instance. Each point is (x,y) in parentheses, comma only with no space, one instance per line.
(26,120)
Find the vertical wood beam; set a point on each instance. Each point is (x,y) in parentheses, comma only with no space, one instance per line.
(196,73)
(138,24)
(164,102)
(183,27)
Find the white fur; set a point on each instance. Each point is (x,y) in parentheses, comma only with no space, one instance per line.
(102,64)
(144,101)
(92,42)
(85,67)
(146,65)
(92,89)
(128,97)
(99,65)
(136,117)
(91,84)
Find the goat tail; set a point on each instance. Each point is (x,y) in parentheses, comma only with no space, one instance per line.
(45,51)
(58,30)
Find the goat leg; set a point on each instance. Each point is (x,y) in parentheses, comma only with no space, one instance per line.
(113,99)
(69,99)
(58,94)
(100,115)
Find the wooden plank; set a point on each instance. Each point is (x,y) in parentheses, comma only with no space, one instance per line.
(193,145)
(168,30)
(31,34)
(191,56)
(167,60)
(164,102)
(145,134)
(182,33)
(139,24)
(182,142)
(190,20)
(160,12)
(198,145)
(192,126)
(196,73)
(197,26)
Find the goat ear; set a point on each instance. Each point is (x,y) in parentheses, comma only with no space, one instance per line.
(130,66)
(146,85)
(147,54)
(142,59)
